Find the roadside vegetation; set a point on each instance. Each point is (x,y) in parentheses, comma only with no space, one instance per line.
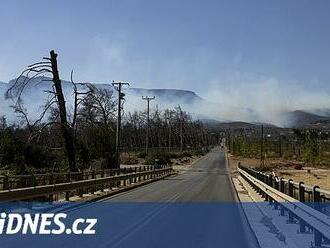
(83,137)
(306,146)
(302,155)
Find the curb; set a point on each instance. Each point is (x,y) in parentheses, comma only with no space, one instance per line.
(244,217)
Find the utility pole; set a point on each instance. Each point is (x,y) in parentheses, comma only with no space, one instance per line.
(148,99)
(118,87)
(181,130)
(169,132)
(262,161)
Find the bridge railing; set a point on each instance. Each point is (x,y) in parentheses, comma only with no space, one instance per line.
(310,205)
(298,190)
(52,186)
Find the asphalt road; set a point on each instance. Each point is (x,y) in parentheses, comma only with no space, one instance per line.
(205,181)
(197,208)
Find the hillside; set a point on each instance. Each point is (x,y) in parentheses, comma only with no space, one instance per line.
(34,97)
(169,95)
(300,118)
(209,113)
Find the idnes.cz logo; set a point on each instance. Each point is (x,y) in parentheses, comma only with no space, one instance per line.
(44,223)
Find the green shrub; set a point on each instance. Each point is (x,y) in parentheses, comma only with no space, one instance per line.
(199,152)
(157,159)
(176,155)
(186,154)
(141,155)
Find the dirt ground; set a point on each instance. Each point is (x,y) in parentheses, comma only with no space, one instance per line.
(178,163)
(184,163)
(309,175)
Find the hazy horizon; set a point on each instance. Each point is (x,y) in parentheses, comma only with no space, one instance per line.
(268,57)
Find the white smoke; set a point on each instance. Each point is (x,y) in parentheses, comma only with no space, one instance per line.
(262,100)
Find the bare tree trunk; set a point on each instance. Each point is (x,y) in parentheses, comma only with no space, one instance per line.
(66,129)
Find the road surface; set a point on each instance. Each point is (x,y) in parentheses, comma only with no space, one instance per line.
(196,208)
(205,181)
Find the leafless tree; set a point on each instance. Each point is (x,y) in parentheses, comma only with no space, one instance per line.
(98,106)
(55,102)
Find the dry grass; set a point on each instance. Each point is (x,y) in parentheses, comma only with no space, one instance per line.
(309,175)
(312,178)
(130,159)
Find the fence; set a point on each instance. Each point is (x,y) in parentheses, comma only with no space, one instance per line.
(302,202)
(51,186)
(299,191)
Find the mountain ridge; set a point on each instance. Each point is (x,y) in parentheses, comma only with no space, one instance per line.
(189,100)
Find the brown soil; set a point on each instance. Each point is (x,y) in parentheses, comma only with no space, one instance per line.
(287,169)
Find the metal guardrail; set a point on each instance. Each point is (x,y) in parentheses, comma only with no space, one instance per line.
(49,185)
(299,191)
(39,179)
(281,192)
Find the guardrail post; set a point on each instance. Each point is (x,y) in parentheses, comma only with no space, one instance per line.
(316,198)
(290,189)
(93,177)
(111,183)
(81,177)
(302,225)
(302,192)
(131,176)
(276,183)
(135,177)
(140,176)
(51,181)
(270,181)
(276,186)
(67,193)
(317,206)
(317,239)
(119,181)
(34,181)
(102,175)
(267,182)
(271,184)
(5,185)
(282,189)
(125,179)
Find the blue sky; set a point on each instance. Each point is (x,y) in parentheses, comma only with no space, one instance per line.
(198,45)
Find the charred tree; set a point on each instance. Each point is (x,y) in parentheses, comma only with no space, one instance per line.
(55,97)
(66,129)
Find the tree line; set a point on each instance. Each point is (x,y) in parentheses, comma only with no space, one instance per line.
(83,137)
(309,146)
